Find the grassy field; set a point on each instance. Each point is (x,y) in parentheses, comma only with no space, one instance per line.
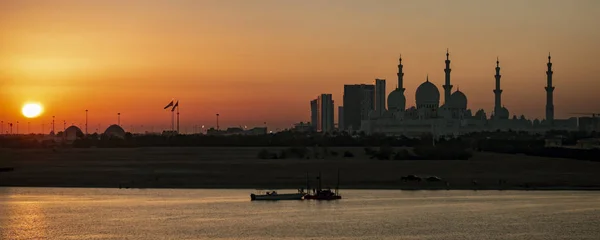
(239,168)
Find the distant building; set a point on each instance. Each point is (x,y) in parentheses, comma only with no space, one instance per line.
(237,131)
(553,142)
(325,113)
(588,143)
(302,127)
(453,117)
(257,131)
(379,97)
(72,133)
(341,117)
(313,113)
(169,133)
(115,131)
(589,124)
(358,103)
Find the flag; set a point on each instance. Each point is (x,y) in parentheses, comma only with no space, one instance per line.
(175,106)
(169,105)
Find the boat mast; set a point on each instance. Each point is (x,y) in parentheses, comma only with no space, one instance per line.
(307,183)
(337,187)
(319,182)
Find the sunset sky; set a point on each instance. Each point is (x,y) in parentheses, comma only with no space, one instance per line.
(264,60)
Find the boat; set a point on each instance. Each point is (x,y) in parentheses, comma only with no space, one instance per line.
(325,194)
(275,196)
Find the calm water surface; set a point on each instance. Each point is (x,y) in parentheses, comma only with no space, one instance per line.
(63,213)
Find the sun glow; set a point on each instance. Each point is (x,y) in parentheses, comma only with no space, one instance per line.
(32,110)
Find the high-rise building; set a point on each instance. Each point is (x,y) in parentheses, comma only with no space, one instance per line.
(313,113)
(325,110)
(358,103)
(379,97)
(341,117)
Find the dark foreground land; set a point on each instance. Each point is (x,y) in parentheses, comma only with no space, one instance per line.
(238,167)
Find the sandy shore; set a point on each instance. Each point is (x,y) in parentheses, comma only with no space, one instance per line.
(240,168)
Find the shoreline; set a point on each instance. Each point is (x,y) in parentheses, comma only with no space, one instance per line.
(239,168)
(246,187)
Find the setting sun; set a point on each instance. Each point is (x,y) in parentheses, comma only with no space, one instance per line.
(32,110)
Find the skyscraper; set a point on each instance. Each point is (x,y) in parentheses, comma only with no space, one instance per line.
(313,113)
(379,97)
(341,117)
(358,103)
(325,110)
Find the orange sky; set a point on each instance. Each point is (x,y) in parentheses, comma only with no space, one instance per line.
(264,60)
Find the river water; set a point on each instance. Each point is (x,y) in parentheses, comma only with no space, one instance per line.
(86,213)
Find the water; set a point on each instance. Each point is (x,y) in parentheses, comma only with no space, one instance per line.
(65,213)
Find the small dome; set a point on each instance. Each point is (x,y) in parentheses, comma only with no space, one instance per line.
(458,100)
(468,113)
(427,93)
(115,131)
(396,100)
(72,133)
(480,114)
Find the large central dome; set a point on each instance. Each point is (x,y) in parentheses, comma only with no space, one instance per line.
(427,95)
(397,100)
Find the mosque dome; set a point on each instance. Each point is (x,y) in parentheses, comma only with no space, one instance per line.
(396,100)
(458,100)
(115,131)
(427,94)
(503,113)
(72,133)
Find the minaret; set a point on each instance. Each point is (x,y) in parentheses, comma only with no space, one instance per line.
(400,76)
(497,92)
(549,94)
(447,86)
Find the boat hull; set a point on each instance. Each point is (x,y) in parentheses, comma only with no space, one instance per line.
(277,197)
(322,197)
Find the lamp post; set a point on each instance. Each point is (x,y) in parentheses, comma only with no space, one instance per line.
(53,125)
(86,122)
(217,122)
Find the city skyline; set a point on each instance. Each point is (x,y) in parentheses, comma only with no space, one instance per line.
(245,67)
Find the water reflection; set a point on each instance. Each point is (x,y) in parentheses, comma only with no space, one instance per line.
(63,213)
(24,220)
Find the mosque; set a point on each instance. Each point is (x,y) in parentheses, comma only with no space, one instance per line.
(454,117)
